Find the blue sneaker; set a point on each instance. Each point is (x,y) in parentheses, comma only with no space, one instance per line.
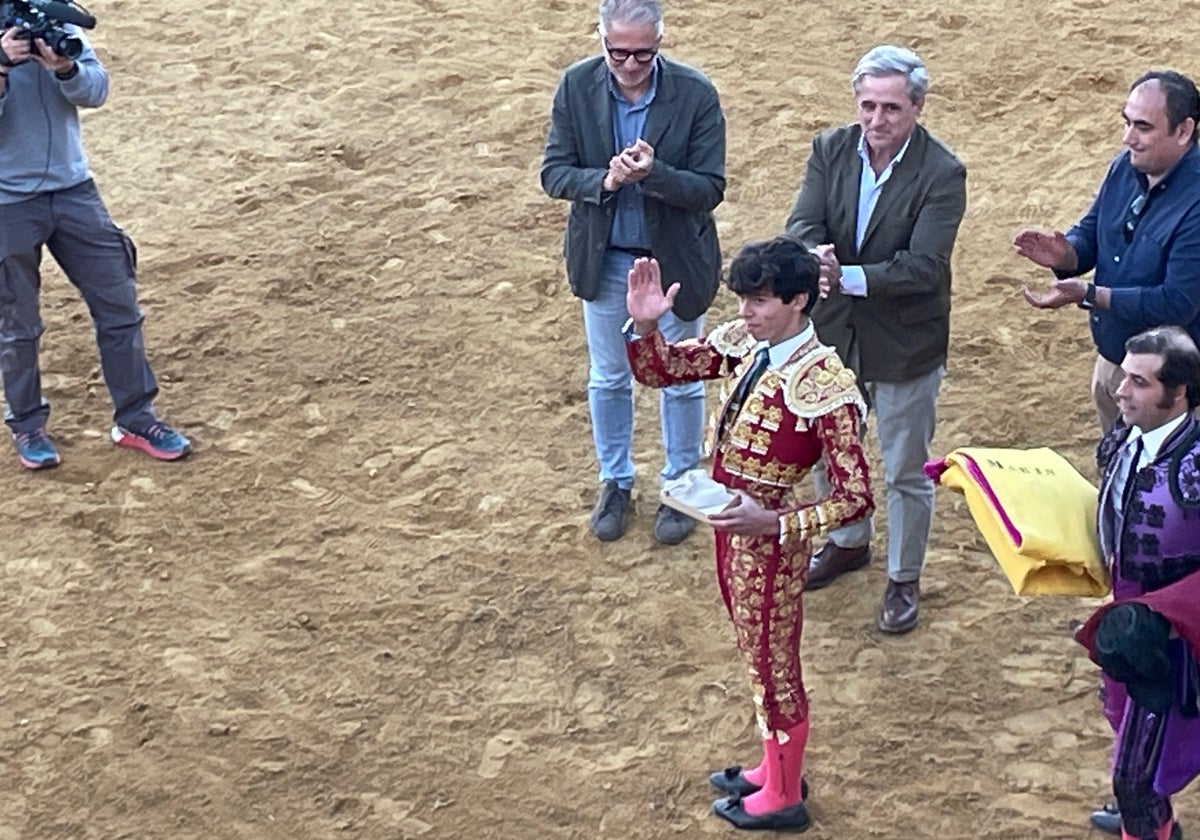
(35,450)
(158,441)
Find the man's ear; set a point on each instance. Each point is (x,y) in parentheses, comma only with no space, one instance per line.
(1186,128)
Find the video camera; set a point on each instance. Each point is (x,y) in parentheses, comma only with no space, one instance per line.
(45,18)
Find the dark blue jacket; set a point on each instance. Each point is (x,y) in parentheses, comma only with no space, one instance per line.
(1155,279)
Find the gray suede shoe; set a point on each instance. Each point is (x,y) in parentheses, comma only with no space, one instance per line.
(611,513)
(672,527)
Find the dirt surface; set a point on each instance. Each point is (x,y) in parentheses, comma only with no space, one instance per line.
(369,606)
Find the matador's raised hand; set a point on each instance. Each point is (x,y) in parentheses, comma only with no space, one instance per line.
(645,300)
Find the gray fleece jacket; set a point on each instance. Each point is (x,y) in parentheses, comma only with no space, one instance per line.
(41,146)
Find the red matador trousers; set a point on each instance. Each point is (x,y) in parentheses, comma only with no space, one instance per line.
(762,589)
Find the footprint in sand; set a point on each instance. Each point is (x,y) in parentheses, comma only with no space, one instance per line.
(497,749)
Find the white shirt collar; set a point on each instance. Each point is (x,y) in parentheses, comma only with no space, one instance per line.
(1153,441)
(783,351)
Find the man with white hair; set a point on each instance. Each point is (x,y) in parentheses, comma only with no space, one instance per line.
(637,145)
(881,204)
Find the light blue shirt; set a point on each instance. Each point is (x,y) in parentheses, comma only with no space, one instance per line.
(854,279)
(781,352)
(629,123)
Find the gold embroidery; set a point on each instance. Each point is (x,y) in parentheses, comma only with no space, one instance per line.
(816,381)
(656,363)
(763,577)
(645,354)
(771,418)
(771,471)
(765,585)
(738,459)
(760,441)
(851,498)
(752,409)
(732,339)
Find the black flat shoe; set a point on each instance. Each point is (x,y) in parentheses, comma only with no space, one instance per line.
(794,818)
(1107,819)
(731,781)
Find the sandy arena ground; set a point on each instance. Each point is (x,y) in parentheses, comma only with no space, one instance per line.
(369,606)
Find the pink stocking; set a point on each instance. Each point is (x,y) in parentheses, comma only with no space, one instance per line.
(784,765)
(1164,832)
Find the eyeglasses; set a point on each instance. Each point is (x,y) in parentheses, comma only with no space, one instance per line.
(621,56)
(1132,216)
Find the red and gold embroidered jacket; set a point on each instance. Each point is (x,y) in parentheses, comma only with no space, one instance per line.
(808,407)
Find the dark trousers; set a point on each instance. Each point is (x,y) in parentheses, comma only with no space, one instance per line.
(99,260)
(1143,810)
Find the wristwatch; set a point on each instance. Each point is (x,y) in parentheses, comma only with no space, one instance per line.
(1089,297)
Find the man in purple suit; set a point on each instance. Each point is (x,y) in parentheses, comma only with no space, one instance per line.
(1147,640)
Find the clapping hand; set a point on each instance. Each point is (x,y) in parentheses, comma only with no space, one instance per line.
(1050,249)
(831,269)
(630,166)
(638,159)
(1060,294)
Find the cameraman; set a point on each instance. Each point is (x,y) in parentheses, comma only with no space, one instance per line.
(48,197)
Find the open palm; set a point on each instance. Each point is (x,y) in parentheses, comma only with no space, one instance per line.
(645,300)
(1049,249)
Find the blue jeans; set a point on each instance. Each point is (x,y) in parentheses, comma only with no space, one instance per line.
(100,260)
(610,384)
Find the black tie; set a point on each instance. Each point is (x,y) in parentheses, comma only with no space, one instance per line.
(761,360)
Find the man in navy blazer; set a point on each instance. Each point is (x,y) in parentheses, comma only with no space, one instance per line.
(881,204)
(637,145)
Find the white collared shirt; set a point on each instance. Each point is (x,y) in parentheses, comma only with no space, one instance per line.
(781,352)
(1153,441)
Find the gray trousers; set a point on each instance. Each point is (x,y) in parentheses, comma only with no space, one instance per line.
(905,416)
(99,260)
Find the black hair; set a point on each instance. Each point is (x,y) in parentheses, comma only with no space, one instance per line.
(781,266)
(1180,358)
(1183,100)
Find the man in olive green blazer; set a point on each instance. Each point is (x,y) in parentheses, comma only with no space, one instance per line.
(881,204)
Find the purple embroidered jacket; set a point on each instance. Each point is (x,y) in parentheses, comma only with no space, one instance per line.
(1155,559)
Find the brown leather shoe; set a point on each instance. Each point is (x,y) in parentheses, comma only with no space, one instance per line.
(898,612)
(832,561)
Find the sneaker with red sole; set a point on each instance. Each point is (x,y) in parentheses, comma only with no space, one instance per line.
(158,441)
(35,450)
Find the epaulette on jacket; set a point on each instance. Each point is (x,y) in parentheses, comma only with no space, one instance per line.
(732,339)
(1184,470)
(815,381)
